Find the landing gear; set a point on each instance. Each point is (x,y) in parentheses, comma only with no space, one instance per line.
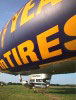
(20,78)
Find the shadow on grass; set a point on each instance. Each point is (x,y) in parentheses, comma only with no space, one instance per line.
(62,91)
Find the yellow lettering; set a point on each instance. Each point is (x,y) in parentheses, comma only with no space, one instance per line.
(3,64)
(70,30)
(71,45)
(44,2)
(44,45)
(7,56)
(29,52)
(14,21)
(16,56)
(25,18)
(3,35)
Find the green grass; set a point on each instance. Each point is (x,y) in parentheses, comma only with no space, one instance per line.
(18,92)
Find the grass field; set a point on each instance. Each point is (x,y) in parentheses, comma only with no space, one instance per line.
(18,92)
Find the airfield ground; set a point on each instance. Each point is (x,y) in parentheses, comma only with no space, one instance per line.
(18,92)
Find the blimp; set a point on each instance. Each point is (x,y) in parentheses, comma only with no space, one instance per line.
(40,40)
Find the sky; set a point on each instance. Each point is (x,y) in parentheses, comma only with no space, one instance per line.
(7,9)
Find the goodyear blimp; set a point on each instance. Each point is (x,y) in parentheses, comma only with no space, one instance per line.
(40,38)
